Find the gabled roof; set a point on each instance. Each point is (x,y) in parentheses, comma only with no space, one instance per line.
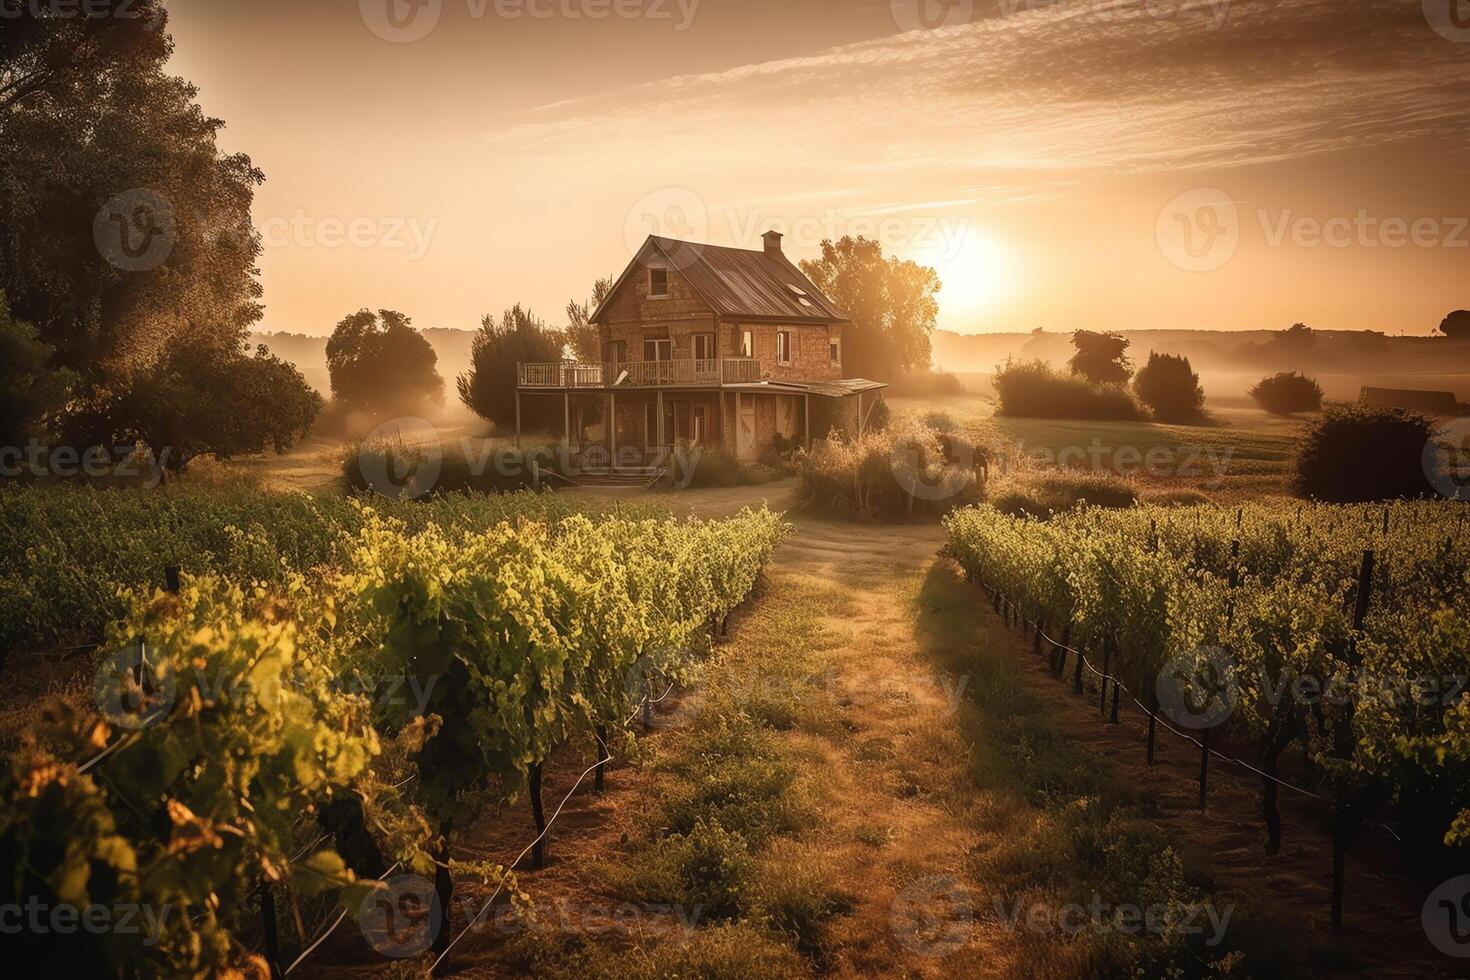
(738,283)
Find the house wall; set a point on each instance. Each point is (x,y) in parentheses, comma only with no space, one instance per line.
(810,351)
(634,316)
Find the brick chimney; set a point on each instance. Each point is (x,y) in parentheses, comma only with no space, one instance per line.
(773,242)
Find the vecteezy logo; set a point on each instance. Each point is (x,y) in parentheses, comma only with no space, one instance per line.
(1447,460)
(1199,231)
(1198,690)
(134,687)
(1449,18)
(136,231)
(931,15)
(402,459)
(1446,917)
(933,917)
(402,918)
(672,212)
(401,21)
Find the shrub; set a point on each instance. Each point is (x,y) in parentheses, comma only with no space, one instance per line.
(407,471)
(1288,392)
(1360,453)
(1034,390)
(1168,385)
(941,422)
(907,472)
(1061,492)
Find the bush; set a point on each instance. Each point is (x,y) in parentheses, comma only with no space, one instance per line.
(1359,454)
(1288,392)
(1061,492)
(1168,385)
(941,422)
(406,471)
(1034,390)
(906,472)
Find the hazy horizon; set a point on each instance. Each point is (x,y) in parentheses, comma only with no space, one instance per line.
(1226,166)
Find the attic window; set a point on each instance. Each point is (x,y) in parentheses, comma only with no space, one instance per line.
(805,302)
(796,289)
(658,283)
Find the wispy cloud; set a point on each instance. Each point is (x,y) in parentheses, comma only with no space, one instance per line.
(1076,88)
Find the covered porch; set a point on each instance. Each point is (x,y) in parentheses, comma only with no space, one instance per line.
(640,428)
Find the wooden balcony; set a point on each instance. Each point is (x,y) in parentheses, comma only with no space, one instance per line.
(641,374)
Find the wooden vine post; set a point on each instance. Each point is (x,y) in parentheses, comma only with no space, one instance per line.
(599,782)
(443,893)
(1343,827)
(538,849)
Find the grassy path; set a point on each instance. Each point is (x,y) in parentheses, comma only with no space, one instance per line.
(859,787)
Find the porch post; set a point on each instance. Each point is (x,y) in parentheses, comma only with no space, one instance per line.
(660,429)
(518,418)
(566,397)
(860,415)
(808,427)
(612,429)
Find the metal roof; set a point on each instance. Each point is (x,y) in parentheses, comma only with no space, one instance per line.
(740,284)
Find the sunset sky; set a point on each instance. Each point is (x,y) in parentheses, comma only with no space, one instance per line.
(1105,165)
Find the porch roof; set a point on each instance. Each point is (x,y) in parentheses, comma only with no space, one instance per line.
(828,389)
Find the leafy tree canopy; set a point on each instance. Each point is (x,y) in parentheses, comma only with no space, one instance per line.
(380,364)
(583,336)
(195,401)
(1168,385)
(1456,326)
(125,227)
(892,303)
(1101,358)
(30,390)
(489,387)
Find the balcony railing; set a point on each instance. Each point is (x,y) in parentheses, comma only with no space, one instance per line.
(642,374)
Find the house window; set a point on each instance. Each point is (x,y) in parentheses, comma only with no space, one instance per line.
(658,283)
(783,347)
(704,347)
(834,349)
(658,350)
(617,352)
(747,344)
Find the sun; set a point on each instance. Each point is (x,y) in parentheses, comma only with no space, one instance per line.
(975,269)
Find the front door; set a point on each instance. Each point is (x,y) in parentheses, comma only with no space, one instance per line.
(745,427)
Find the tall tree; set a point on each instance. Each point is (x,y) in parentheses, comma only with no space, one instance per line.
(1456,326)
(489,387)
(892,303)
(1101,358)
(381,365)
(122,226)
(583,336)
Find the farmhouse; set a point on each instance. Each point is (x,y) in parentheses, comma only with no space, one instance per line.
(707,346)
